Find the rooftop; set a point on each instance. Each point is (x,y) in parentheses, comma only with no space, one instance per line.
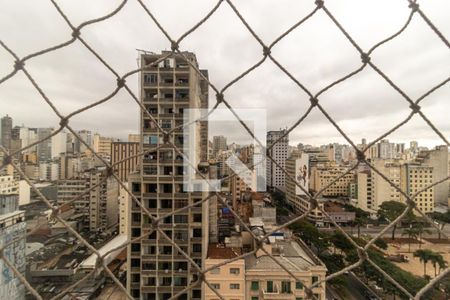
(288,253)
(332,207)
(218,251)
(116,242)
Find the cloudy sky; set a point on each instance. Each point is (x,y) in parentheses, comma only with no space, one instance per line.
(316,53)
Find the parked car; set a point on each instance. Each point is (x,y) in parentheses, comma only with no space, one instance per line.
(398,258)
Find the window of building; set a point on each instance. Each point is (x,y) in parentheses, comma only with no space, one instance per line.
(269,286)
(234,271)
(298,285)
(254,286)
(255,298)
(215,286)
(234,286)
(315,279)
(286,287)
(215,271)
(196,247)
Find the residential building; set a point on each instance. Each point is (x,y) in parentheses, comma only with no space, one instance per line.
(228,280)
(134,138)
(279,153)
(437,158)
(59,142)
(102,145)
(156,270)
(267,279)
(323,175)
(124,210)
(69,166)
(294,195)
(12,227)
(382,190)
(10,185)
(364,186)
(219,144)
(6,131)
(124,158)
(44,148)
(86,137)
(94,197)
(414,178)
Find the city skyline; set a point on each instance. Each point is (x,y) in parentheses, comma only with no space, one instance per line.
(380,111)
(243,139)
(323,173)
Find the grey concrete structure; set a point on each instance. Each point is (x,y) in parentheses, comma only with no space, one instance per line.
(157,270)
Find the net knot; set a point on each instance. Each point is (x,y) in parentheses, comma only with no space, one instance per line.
(365,58)
(415,108)
(174,46)
(319,3)
(414,6)
(18,65)
(76,33)
(120,82)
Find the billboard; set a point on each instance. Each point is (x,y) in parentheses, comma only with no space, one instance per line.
(302,174)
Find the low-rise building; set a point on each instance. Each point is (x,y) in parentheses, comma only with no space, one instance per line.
(258,275)
(228,280)
(267,279)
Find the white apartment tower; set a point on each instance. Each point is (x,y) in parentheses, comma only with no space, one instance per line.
(156,269)
(279,152)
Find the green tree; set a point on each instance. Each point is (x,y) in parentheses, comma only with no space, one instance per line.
(424,256)
(380,243)
(310,235)
(390,210)
(341,242)
(420,228)
(442,218)
(437,261)
(361,216)
(412,233)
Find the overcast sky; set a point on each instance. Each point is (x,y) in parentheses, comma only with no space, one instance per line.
(316,53)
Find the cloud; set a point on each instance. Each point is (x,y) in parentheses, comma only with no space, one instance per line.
(316,53)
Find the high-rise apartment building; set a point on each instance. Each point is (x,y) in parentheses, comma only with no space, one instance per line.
(59,142)
(124,154)
(102,145)
(219,144)
(156,269)
(414,178)
(86,136)
(279,152)
(97,209)
(6,130)
(437,158)
(381,189)
(44,148)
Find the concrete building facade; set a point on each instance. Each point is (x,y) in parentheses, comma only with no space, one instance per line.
(416,177)
(6,130)
(124,154)
(279,152)
(157,270)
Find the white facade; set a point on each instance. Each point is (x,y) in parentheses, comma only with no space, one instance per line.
(59,144)
(279,153)
(123,210)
